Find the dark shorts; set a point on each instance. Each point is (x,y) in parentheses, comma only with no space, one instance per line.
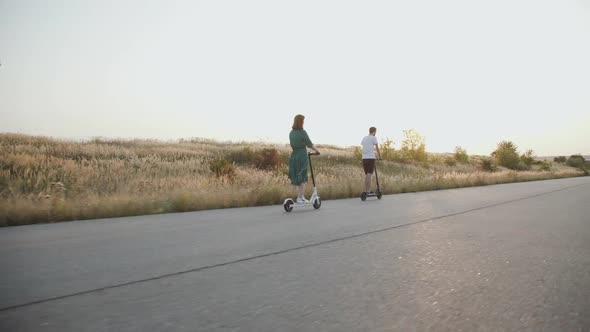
(368,165)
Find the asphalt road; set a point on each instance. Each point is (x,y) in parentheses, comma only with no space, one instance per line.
(512,257)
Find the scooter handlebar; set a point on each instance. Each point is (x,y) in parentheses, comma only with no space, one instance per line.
(314,153)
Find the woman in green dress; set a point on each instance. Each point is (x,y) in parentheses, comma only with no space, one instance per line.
(298,162)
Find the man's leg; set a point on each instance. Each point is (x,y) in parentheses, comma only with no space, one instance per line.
(368,182)
(369,166)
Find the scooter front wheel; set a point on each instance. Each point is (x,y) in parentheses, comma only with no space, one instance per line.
(317,203)
(379,194)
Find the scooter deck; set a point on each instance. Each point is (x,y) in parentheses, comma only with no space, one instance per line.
(289,203)
(377,194)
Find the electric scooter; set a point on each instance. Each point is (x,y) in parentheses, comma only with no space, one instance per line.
(377,193)
(314,200)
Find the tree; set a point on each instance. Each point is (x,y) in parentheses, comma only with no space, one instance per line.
(268,159)
(461,155)
(506,155)
(528,158)
(414,146)
(387,149)
(560,159)
(487,164)
(576,160)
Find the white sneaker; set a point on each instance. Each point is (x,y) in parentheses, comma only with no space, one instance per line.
(301,200)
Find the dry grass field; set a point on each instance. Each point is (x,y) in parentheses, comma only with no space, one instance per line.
(49,180)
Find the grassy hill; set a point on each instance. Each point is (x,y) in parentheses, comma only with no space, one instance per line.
(49,180)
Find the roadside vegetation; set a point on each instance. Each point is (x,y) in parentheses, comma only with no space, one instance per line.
(49,180)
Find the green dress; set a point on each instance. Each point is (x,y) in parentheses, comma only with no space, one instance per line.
(298,162)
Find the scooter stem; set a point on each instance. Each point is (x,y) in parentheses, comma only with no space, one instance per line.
(311,169)
(376,176)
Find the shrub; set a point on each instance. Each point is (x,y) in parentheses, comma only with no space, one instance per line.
(245,156)
(560,159)
(506,155)
(358,153)
(461,155)
(522,166)
(222,168)
(387,150)
(528,158)
(545,166)
(576,160)
(449,161)
(436,158)
(265,159)
(268,159)
(414,146)
(488,165)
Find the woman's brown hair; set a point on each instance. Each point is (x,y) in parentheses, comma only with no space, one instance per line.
(298,122)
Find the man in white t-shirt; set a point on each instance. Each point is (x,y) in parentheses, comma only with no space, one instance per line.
(369,144)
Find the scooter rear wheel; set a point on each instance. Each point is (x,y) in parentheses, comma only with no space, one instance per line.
(288,206)
(363,196)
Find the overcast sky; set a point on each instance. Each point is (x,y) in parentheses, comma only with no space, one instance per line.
(467,73)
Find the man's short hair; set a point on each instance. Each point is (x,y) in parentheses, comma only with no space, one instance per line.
(372,130)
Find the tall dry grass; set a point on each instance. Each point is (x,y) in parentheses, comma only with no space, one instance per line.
(49,180)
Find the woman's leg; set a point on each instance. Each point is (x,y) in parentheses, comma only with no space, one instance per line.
(301,191)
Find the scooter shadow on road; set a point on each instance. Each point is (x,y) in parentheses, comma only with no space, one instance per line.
(298,211)
(370,201)
(312,210)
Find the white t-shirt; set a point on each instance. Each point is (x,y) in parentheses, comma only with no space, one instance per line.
(368,144)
